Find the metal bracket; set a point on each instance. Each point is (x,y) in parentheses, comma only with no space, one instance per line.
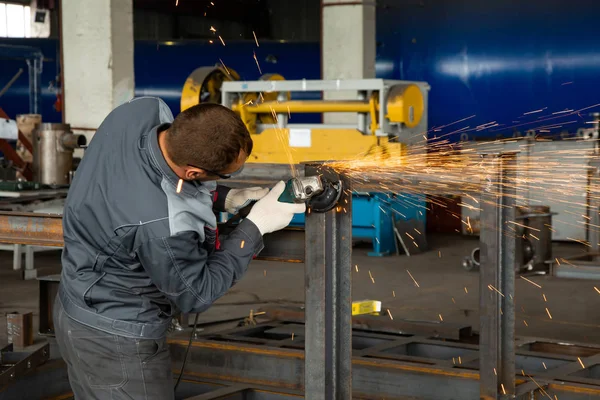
(14,365)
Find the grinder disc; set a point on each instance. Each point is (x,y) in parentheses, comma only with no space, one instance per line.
(327,200)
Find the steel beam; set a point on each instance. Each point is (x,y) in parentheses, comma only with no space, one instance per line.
(579,267)
(328,302)
(46,230)
(387,366)
(498,246)
(381,323)
(31,229)
(16,364)
(593,226)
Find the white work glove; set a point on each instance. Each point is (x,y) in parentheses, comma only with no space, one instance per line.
(270,215)
(239,198)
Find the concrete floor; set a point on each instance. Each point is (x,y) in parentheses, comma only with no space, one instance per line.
(445,290)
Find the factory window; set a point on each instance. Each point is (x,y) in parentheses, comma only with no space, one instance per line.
(15,20)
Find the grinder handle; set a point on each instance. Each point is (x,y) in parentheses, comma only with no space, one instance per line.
(288,193)
(243,213)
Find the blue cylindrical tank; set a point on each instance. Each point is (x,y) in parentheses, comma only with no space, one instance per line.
(496,59)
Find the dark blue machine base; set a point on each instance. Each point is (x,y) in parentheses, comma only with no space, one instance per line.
(373,218)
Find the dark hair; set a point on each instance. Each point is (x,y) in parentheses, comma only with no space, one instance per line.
(208,136)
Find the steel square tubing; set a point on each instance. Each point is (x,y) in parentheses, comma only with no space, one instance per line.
(497,278)
(305,85)
(593,235)
(328,298)
(242,393)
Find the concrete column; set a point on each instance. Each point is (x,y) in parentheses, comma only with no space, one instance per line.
(97,47)
(347,46)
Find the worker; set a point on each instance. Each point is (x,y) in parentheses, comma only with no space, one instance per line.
(141,241)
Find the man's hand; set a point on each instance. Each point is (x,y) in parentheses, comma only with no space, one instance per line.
(270,215)
(239,198)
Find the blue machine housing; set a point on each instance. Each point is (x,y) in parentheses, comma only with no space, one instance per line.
(373,216)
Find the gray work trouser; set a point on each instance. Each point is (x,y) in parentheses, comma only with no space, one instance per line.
(106,366)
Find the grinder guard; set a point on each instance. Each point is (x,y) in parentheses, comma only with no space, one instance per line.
(328,199)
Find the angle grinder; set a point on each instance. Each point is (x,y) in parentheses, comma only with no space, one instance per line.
(319,193)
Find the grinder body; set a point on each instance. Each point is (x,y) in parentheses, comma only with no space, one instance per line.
(300,190)
(318,193)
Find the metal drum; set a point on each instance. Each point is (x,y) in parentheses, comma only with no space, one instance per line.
(53,146)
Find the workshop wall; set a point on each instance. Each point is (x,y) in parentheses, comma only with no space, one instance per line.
(495,59)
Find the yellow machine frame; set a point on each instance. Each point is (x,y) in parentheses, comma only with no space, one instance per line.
(263,112)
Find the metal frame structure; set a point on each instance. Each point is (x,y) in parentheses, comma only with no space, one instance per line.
(586,266)
(16,364)
(394,366)
(230,92)
(497,278)
(330,367)
(328,284)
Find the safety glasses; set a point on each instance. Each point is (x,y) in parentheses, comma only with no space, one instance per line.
(222,176)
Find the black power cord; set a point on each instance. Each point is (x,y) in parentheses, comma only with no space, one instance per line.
(187,350)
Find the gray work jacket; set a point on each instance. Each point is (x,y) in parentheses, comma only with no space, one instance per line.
(136,251)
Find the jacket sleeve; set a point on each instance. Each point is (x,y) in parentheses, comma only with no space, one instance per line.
(219,196)
(191,278)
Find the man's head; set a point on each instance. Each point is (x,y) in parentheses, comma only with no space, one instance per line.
(207,142)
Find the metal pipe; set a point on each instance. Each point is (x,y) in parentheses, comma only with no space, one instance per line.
(73,141)
(593,235)
(498,246)
(34,58)
(328,302)
(35,84)
(10,83)
(362,117)
(307,106)
(282,118)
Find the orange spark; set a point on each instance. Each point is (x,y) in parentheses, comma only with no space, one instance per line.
(255,39)
(530,281)
(414,280)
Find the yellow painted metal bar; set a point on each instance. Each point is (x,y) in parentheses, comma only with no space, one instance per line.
(272,146)
(306,106)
